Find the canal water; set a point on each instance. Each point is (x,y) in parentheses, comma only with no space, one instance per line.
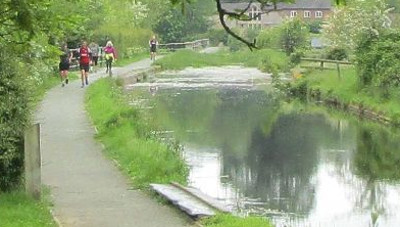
(299,165)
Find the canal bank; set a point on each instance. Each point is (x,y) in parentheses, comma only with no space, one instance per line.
(344,93)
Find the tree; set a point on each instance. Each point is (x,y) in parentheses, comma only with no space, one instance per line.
(173,26)
(348,23)
(294,35)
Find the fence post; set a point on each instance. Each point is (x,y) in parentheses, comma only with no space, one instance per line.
(33,161)
(338,71)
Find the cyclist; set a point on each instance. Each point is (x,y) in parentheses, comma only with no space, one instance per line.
(110,55)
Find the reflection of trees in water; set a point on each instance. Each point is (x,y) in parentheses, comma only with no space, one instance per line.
(280,165)
(377,159)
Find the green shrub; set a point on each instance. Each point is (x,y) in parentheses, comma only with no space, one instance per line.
(13,119)
(378,59)
(269,38)
(315,26)
(267,65)
(233,43)
(218,36)
(294,35)
(296,56)
(337,53)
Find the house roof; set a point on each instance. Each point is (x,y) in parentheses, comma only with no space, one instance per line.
(299,4)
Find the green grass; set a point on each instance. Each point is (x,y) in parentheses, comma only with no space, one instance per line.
(346,90)
(227,220)
(128,140)
(137,57)
(18,210)
(187,58)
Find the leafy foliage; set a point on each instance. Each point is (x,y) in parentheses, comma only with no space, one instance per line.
(13,118)
(337,54)
(349,22)
(175,26)
(294,35)
(378,58)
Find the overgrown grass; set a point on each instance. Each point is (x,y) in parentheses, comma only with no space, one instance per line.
(225,220)
(18,210)
(126,61)
(258,58)
(346,90)
(128,140)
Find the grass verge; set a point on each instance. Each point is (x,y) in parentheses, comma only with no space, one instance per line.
(224,220)
(128,139)
(18,210)
(265,59)
(347,91)
(126,61)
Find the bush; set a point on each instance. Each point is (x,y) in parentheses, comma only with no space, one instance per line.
(378,59)
(315,26)
(269,38)
(296,56)
(294,35)
(233,43)
(337,53)
(267,65)
(13,119)
(218,36)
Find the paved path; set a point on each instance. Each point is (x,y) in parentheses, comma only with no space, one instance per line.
(87,189)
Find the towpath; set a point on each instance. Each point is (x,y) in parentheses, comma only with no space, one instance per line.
(86,188)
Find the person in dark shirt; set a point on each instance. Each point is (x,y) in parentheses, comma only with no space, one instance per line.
(65,60)
(153,47)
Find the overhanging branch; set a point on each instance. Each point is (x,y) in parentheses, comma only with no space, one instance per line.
(222,13)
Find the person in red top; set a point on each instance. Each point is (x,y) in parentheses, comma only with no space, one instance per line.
(84,62)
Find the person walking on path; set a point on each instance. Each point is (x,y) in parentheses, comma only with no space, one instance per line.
(65,60)
(94,49)
(110,55)
(84,62)
(153,47)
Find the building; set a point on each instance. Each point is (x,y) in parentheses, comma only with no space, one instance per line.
(307,10)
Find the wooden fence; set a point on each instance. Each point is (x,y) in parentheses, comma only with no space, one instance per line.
(323,61)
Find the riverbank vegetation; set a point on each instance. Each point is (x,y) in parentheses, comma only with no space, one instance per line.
(224,220)
(361,32)
(129,140)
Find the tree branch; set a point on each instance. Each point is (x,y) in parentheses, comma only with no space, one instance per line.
(221,14)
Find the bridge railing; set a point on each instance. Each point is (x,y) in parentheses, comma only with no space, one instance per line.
(194,45)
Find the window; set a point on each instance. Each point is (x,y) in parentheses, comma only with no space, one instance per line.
(293,13)
(318,14)
(255,14)
(307,14)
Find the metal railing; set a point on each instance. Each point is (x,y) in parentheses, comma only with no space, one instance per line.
(194,45)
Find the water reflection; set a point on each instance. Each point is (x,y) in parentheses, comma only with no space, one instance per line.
(295,164)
